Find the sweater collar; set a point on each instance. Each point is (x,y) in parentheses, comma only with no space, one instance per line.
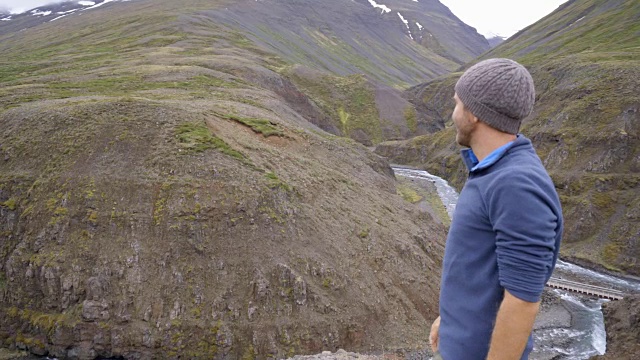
(474,165)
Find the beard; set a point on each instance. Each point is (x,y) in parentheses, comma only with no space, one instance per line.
(463,137)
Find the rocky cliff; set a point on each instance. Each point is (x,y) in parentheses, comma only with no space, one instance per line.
(584,60)
(166,190)
(622,323)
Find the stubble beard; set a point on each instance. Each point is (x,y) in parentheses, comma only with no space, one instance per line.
(462,139)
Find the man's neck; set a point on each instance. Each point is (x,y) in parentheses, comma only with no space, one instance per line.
(488,140)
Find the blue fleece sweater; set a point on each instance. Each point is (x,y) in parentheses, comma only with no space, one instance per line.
(505,234)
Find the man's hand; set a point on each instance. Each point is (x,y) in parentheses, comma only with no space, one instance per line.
(434,336)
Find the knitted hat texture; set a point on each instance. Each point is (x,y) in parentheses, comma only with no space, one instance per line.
(499,92)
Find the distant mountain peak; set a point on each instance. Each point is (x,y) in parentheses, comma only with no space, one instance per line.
(491,35)
(418,21)
(495,39)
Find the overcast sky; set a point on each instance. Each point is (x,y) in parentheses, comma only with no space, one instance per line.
(501,17)
(22,5)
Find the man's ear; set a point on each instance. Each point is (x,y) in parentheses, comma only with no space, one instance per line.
(472,118)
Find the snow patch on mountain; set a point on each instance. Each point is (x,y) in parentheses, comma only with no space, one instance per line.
(406,23)
(385,8)
(98,5)
(86,5)
(64,13)
(573,23)
(37,12)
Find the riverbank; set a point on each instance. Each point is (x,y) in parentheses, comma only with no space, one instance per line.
(622,321)
(553,316)
(599,268)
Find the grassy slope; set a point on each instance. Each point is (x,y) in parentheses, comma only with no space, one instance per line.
(155,187)
(345,54)
(584,58)
(350,100)
(343,38)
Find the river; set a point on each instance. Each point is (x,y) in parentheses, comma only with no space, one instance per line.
(583,335)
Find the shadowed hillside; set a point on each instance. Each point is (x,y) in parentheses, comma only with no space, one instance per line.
(585,60)
(165,193)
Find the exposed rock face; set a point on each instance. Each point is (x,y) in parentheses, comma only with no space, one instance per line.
(622,323)
(162,195)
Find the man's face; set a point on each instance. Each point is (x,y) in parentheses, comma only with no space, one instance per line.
(463,121)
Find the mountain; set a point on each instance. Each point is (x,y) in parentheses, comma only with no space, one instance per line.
(166,189)
(424,39)
(394,45)
(495,40)
(585,60)
(434,26)
(338,42)
(357,22)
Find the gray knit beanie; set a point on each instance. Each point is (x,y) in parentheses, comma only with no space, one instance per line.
(499,92)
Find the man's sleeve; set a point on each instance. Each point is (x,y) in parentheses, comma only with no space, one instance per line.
(525,224)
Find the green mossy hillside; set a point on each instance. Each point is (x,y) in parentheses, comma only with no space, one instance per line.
(161,197)
(349,100)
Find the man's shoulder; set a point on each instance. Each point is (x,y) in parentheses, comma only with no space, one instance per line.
(519,173)
(522,161)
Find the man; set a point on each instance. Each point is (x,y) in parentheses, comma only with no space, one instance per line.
(505,233)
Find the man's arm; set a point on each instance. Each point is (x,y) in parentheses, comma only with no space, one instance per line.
(514,323)
(526,220)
